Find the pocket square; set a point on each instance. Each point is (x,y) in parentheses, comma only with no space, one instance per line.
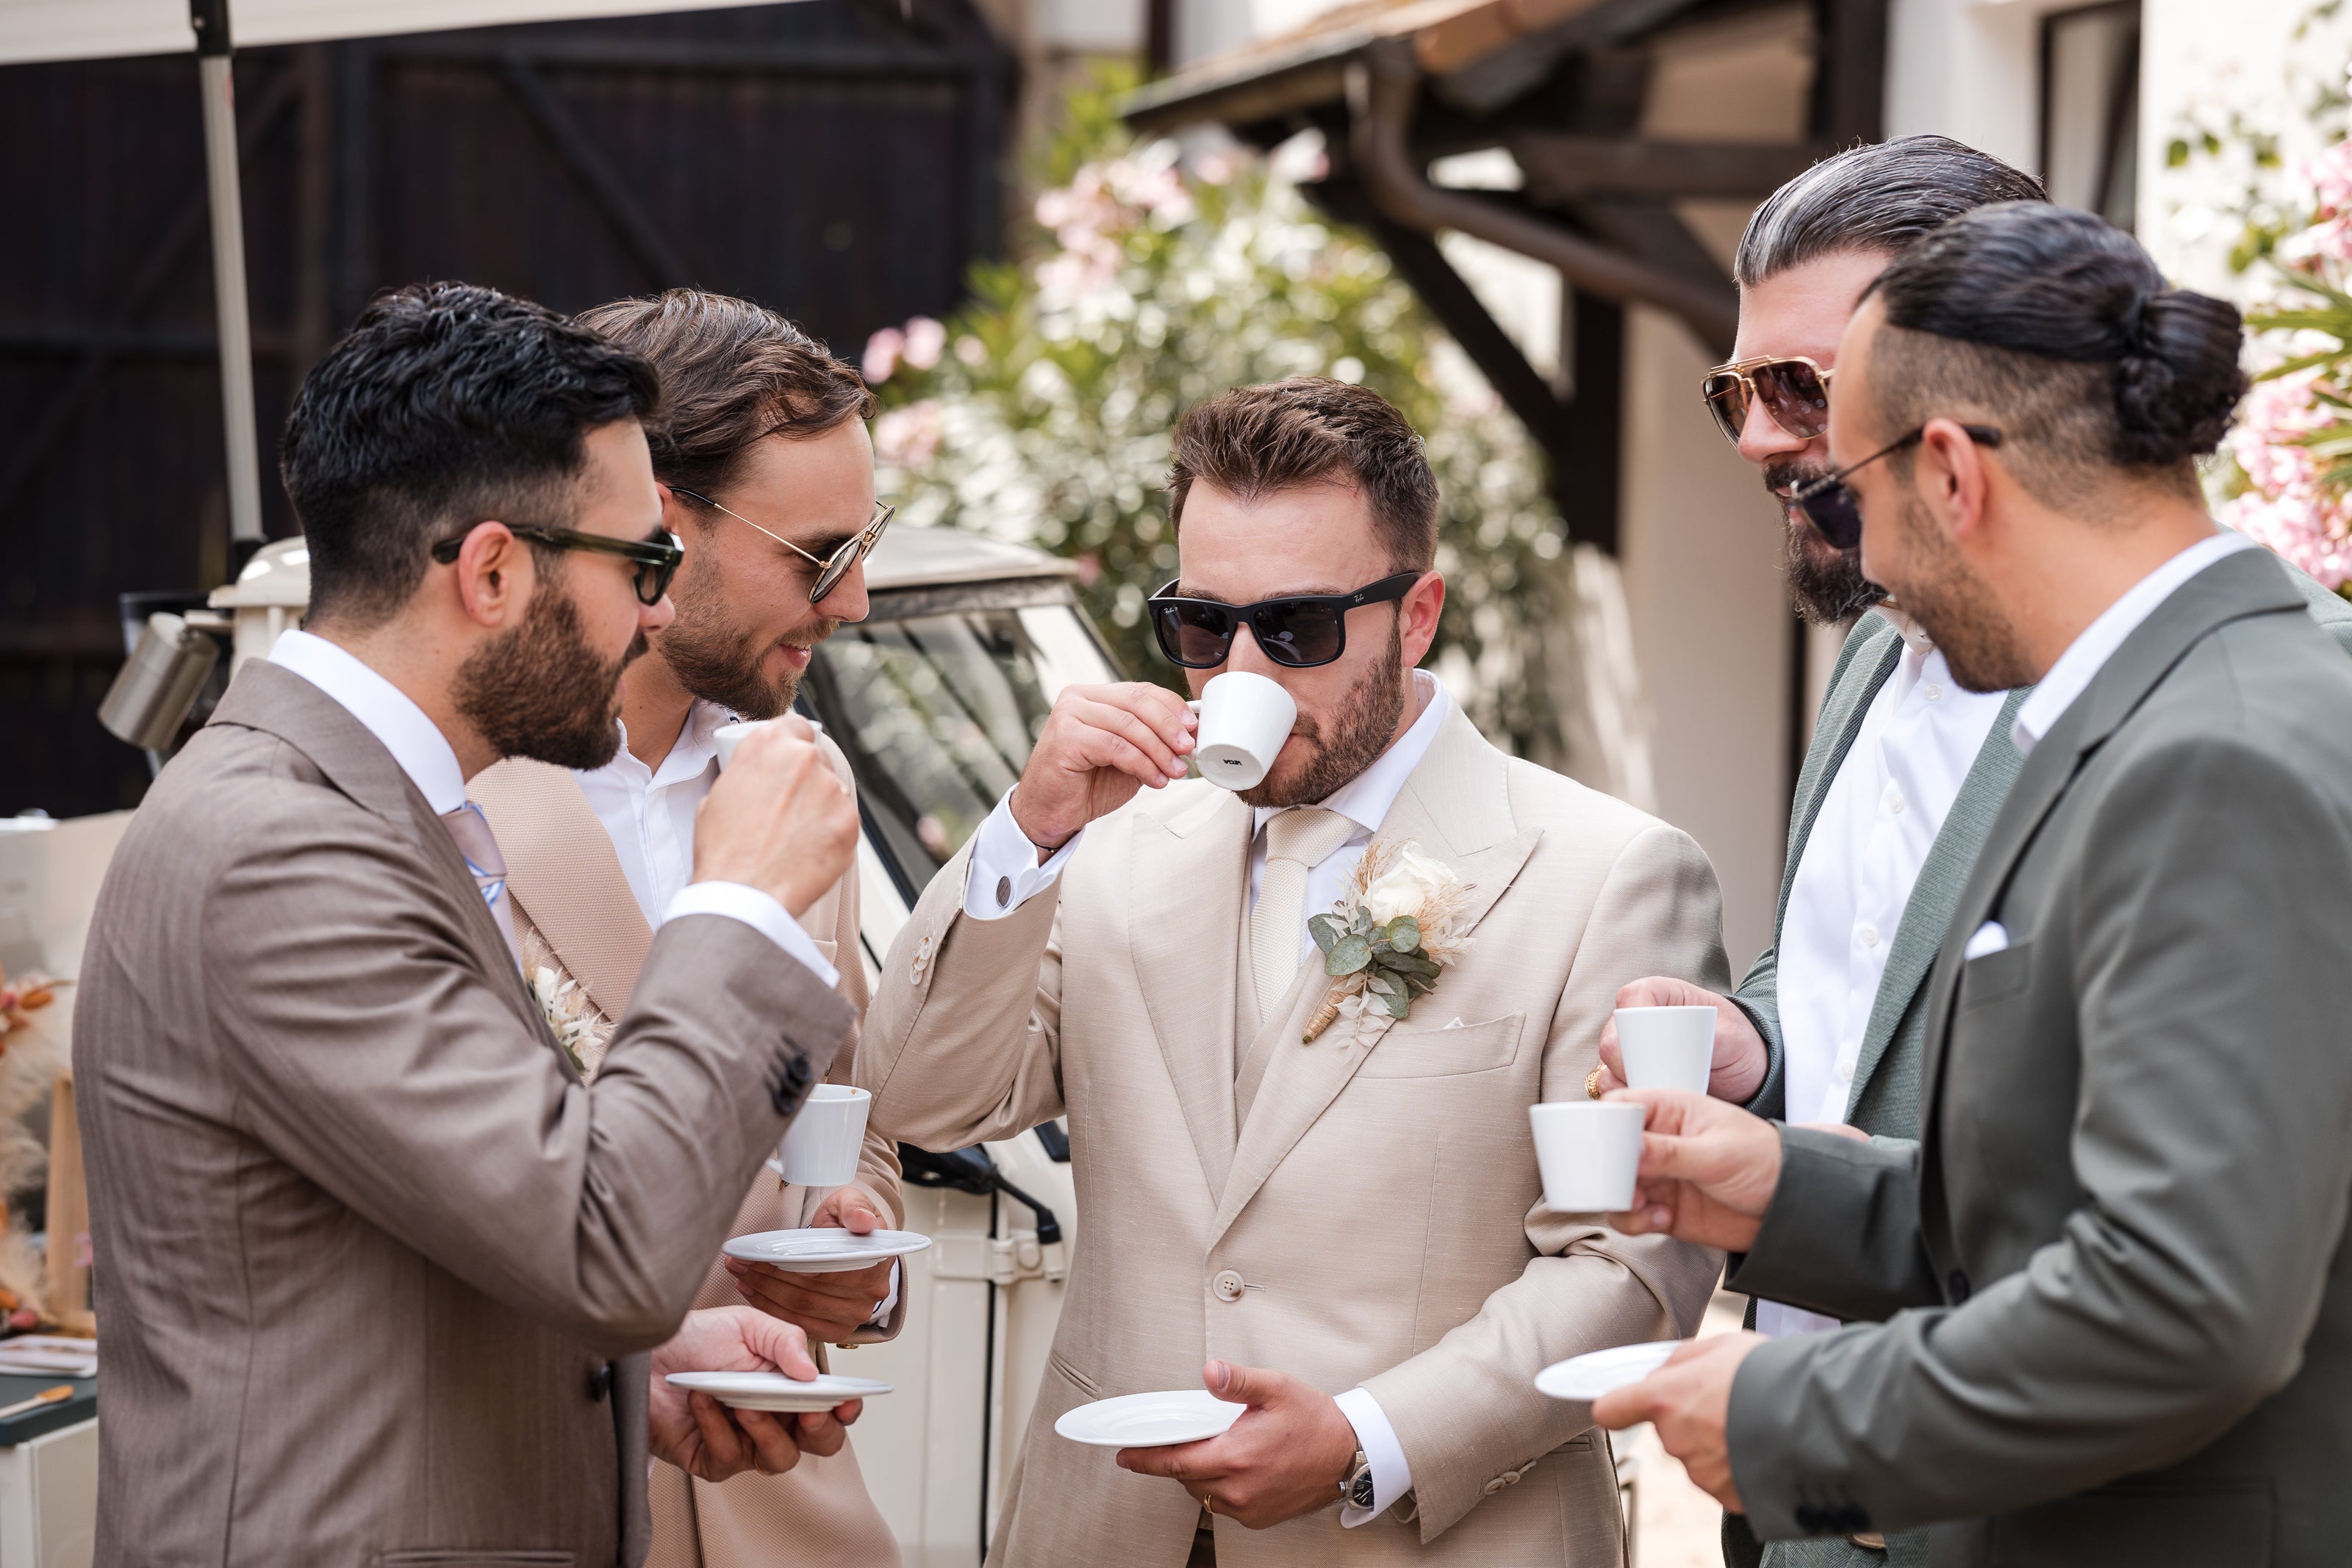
(1990,937)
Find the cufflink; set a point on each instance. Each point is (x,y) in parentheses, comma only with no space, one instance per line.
(1004,892)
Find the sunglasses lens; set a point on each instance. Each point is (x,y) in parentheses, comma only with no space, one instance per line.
(1194,634)
(1726,399)
(1835,514)
(1301,635)
(1794,396)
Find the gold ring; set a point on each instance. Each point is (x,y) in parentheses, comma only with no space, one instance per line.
(1209,1502)
(1592,1083)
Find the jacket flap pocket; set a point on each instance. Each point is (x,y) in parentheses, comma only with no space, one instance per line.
(1444,1052)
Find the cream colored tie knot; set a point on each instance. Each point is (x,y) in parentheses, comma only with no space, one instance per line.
(1297,841)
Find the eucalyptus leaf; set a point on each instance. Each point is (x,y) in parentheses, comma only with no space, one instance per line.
(1325,929)
(1404,933)
(1399,1006)
(1347,956)
(1383,985)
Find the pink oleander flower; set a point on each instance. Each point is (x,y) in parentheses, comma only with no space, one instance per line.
(882,352)
(908,437)
(925,342)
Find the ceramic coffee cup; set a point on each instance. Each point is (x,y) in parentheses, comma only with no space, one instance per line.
(727,737)
(820,1149)
(1245,719)
(1667,1048)
(1589,1152)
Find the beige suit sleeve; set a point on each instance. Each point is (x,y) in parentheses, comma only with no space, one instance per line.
(1466,1410)
(963,1041)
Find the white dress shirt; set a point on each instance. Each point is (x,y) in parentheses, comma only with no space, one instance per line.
(1005,872)
(2089,653)
(1876,823)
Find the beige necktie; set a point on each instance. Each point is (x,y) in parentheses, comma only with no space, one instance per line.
(475,842)
(1296,841)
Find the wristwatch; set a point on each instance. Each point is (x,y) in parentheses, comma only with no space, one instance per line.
(1356,1486)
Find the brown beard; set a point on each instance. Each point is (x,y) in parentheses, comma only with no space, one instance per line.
(1825,584)
(719,662)
(538,690)
(1955,607)
(1366,723)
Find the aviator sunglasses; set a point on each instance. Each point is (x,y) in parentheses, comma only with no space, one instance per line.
(1795,390)
(1830,503)
(655,560)
(1301,631)
(830,569)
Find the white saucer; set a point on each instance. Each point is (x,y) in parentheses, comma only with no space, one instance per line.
(1600,1372)
(826,1251)
(774,1391)
(1150,1420)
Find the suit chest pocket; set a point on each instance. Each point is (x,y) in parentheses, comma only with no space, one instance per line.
(1996,976)
(1445,1052)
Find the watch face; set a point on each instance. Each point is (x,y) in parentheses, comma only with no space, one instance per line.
(1360,1489)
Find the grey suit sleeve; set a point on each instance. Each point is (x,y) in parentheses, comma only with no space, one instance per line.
(1841,1236)
(1759,996)
(374,1056)
(2209,1143)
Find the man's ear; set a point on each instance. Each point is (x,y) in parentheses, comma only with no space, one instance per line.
(1417,616)
(496,575)
(1950,476)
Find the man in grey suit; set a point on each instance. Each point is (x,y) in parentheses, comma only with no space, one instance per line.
(2118,1297)
(376,1270)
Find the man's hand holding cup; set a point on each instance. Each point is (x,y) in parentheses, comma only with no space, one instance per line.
(1741,1058)
(1099,746)
(778,819)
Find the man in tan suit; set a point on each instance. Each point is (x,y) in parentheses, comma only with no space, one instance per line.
(765,431)
(377,1269)
(1348,1230)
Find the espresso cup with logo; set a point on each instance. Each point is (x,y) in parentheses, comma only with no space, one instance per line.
(1245,719)
(1589,1152)
(820,1149)
(1667,1048)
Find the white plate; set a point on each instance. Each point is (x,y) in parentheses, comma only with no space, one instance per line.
(1150,1420)
(774,1391)
(826,1251)
(1600,1372)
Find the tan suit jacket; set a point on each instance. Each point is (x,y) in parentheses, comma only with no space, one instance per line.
(569,890)
(367,1249)
(1377,1217)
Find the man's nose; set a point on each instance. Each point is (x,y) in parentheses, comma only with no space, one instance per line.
(1761,440)
(655,616)
(1246,654)
(847,600)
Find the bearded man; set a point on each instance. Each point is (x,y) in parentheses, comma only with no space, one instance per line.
(378,1268)
(766,473)
(1348,1230)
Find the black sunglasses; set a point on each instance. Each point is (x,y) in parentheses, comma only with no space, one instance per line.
(1830,503)
(1301,631)
(656,561)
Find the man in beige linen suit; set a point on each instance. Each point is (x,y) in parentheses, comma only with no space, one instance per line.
(1349,1232)
(377,1269)
(765,431)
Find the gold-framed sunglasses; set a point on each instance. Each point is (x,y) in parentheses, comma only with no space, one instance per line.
(830,570)
(1795,390)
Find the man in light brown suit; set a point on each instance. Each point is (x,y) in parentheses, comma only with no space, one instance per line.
(377,1271)
(1350,1231)
(767,476)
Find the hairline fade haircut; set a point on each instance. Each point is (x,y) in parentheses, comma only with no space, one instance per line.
(1258,441)
(446,405)
(1879,196)
(732,374)
(2056,326)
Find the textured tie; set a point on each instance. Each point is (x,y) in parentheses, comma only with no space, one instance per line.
(1297,841)
(472,831)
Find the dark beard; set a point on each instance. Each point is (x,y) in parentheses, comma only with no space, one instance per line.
(1367,723)
(1953,605)
(717,662)
(539,691)
(1825,584)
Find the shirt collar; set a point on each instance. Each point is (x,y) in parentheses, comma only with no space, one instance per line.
(1914,637)
(690,756)
(1365,799)
(414,741)
(2089,653)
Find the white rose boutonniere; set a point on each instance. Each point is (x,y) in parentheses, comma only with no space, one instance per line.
(578,1028)
(1388,936)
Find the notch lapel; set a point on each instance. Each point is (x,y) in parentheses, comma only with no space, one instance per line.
(1190,873)
(1456,806)
(565,877)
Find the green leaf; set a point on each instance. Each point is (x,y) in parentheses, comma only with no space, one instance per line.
(1404,933)
(1412,964)
(1382,985)
(2176,153)
(1325,929)
(1347,956)
(1399,1006)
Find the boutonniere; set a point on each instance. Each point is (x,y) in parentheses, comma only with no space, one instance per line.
(1388,934)
(578,1027)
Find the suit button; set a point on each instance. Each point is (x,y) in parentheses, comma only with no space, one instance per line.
(1491,1488)
(600,1383)
(1228,1286)
(1956,1287)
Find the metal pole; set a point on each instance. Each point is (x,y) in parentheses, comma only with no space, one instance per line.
(210,19)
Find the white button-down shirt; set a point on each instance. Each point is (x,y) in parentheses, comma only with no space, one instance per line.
(1005,872)
(1876,823)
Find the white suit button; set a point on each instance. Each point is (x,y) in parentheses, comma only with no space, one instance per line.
(1228,1286)
(1491,1488)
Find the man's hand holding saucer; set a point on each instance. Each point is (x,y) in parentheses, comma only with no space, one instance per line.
(1283,1458)
(834,1306)
(713,1441)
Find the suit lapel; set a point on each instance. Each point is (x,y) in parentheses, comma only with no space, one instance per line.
(565,877)
(1189,876)
(1456,806)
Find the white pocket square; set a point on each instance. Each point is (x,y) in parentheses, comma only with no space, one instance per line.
(1990,937)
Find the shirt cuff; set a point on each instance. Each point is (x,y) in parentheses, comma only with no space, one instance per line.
(1392,1477)
(1003,873)
(881,1314)
(761,914)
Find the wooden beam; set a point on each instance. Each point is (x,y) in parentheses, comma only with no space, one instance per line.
(1563,166)
(602,183)
(1850,79)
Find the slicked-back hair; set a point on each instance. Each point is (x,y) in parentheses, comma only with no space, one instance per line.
(444,404)
(1883,196)
(1254,442)
(2055,326)
(732,374)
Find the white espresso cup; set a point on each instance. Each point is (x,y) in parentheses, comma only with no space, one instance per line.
(727,737)
(1667,1048)
(1589,1152)
(820,1149)
(1245,719)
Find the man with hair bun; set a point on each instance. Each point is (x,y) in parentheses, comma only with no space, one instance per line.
(2110,1289)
